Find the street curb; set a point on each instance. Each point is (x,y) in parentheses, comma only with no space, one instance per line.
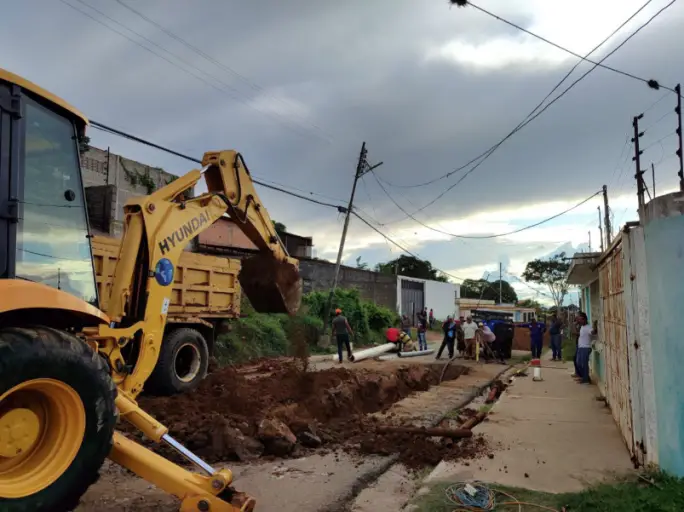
(371,476)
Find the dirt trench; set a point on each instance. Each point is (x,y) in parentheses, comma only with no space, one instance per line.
(227,417)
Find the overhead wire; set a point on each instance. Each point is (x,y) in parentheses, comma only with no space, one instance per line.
(404,249)
(534,114)
(225,89)
(482,237)
(134,138)
(215,61)
(654,84)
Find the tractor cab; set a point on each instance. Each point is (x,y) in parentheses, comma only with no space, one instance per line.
(44,234)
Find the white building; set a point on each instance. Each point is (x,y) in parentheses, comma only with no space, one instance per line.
(414,294)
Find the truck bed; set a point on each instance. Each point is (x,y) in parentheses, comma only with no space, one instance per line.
(204,287)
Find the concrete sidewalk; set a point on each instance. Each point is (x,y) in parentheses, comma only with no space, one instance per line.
(551,436)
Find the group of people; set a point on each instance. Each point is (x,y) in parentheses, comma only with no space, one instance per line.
(425,320)
(464,335)
(583,341)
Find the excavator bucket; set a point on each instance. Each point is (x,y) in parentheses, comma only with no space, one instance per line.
(271,286)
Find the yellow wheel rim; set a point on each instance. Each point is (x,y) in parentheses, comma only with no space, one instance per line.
(42,424)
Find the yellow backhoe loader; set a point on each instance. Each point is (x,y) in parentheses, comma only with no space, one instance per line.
(69,371)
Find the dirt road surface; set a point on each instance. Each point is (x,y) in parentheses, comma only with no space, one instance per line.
(331,477)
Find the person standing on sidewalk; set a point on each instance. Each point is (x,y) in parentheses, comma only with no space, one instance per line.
(431,318)
(584,349)
(537,331)
(556,339)
(406,324)
(342,331)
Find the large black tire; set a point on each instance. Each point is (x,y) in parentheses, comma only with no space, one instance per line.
(182,364)
(42,352)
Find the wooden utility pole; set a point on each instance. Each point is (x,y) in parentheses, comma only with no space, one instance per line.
(606,211)
(600,226)
(639,174)
(362,168)
(680,150)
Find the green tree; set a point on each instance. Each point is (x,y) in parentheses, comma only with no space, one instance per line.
(550,272)
(529,303)
(481,288)
(411,266)
(279,227)
(361,264)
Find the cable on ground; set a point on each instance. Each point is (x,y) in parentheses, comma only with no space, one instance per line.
(484,498)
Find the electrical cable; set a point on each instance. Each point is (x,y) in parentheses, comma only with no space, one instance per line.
(483,498)
(402,247)
(128,136)
(654,84)
(226,89)
(483,236)
(535,116)
(216,62)
(532,116)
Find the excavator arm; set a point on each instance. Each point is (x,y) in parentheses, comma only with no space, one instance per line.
(157,228)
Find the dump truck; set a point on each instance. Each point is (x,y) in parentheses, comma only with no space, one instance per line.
(71,369)
(205,296)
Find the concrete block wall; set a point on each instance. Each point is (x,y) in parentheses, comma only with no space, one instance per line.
(318,275)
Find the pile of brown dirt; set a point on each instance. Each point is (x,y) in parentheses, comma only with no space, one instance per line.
(325,408)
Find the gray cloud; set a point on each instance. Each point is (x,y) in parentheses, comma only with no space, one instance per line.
(359,71)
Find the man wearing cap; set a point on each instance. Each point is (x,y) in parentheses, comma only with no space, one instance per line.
(341,330)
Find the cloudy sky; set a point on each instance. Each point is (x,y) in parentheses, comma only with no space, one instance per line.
(297,86)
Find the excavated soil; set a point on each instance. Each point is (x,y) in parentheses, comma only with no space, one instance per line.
(331,406)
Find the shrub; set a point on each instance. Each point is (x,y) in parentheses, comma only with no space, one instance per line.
(252,337)
(366,318)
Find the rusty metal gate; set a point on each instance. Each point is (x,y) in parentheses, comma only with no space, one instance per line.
(613,332)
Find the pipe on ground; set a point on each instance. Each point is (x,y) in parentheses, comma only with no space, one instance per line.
(373,351)
(416,353)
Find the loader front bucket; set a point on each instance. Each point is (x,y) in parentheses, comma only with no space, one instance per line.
(271,286)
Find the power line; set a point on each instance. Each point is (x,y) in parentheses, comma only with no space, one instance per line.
(214,61)
(484,236)
(224,90)
(128,136)
(402,247)
(654,84)
(532,116)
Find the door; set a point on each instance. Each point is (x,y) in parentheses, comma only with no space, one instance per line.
(613,331)
(10,109)
(412,298)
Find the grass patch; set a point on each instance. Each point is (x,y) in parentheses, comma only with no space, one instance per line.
(485,408)
(631,494)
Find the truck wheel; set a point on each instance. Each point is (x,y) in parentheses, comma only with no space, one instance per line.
(183,362)
(57,418)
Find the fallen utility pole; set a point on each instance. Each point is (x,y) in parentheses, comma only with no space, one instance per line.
(453,433)
(362,168)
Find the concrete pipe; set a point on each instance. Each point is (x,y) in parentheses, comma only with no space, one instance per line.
(374,351)
(416,353)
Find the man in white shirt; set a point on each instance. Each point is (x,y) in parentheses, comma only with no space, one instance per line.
(584,349)
(469,330)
